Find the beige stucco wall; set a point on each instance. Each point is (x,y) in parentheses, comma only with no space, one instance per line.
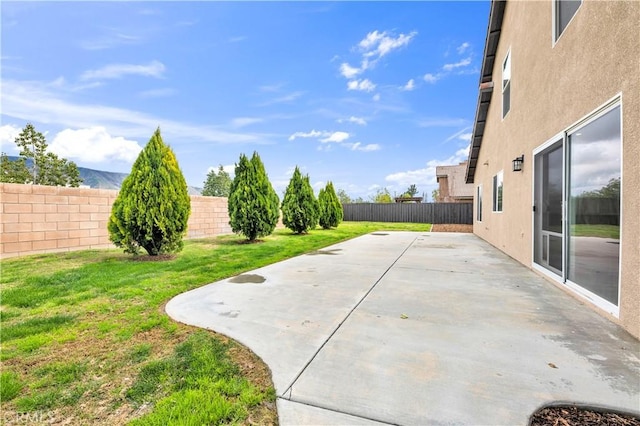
(42,219)
(552,87)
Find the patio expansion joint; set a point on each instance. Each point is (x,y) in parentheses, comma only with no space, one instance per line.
(308,404)
(289,389)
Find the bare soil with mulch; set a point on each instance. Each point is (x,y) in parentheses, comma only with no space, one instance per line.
(577,416)
(449,227)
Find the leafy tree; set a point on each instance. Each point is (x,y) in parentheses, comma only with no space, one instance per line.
(343,197)
(153,206)
(217,184)
(435,194)
(382,196)
(300,209)
(610,190)
(253,203)
(411,191)
(36,165)
(14,171)
(330,208)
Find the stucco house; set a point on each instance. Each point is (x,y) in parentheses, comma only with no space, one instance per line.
(555,151)
(452,187)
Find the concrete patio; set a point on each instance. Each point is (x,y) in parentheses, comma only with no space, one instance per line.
(410,328)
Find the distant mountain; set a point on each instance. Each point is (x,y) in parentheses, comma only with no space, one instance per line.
(101,179)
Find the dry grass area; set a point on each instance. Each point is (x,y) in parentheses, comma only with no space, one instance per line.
(445,227)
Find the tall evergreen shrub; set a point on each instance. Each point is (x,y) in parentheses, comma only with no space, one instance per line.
(253,203)
(153,206)
(331,213)
(300,209)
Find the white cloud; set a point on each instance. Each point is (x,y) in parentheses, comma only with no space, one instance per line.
(465,137)
(245,121)
(327,137)
(358,146)
(365,85)
(442,122)
(8,135)
(376,97)
(271,87)
(348,71)
(462,48)
(115,38)
(37,102)
(374,47)
(114,71)
(411,85)
(311,134)
(94,145)
(237,39)
(336,137)
(357,120)
(283,99)
(382,43)
(157,93)
(431,78)
(462,63)
(426,175)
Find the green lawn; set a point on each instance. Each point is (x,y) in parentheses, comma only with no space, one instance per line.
(600,231)
(85,337)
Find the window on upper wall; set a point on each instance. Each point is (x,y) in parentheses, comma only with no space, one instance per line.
(497,192)
(506,85)
(479,204)
(563,11)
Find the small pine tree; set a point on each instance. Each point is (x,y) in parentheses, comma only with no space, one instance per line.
(253,203)
(300,209)
(153,206)
(330,207)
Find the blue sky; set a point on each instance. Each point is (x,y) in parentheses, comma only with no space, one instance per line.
(365,94)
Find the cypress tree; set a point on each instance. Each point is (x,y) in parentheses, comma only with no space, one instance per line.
(153,206)
(252,203)
(300,209)
(330,208)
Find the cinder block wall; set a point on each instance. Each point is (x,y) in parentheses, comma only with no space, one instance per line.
(41,219)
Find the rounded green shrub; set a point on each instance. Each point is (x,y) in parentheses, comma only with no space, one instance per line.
(253,203)
(300,209)
(153,206)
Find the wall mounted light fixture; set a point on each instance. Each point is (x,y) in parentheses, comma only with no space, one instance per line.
(517,163)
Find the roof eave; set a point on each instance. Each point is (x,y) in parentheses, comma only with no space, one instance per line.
(496,13)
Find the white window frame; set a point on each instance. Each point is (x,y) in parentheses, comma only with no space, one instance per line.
(555,35)
(506,72)
(479,203)
(596,300)
(497,182)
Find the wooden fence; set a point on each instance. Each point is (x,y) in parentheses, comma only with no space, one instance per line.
(457,213)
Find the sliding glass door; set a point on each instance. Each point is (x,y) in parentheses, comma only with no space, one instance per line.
(549,184)
(594,210)
(577,207)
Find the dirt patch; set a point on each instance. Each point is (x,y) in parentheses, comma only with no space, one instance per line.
(257,372)
(574,416)
(450,227)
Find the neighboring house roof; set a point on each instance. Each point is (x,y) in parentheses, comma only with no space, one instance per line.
(456,184)
(496,14)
